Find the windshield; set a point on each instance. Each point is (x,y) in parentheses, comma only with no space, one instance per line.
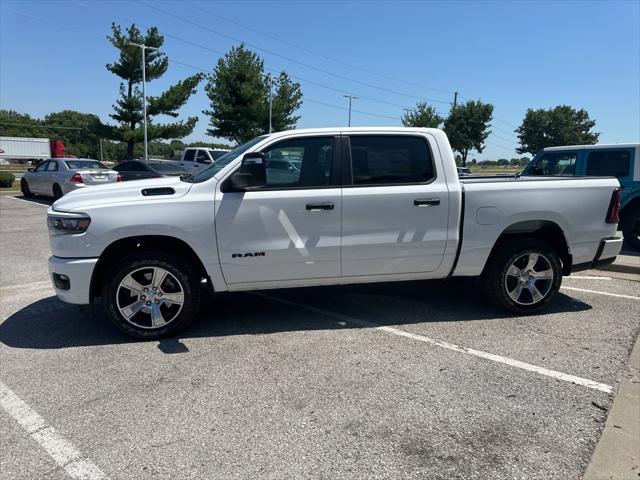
(223,161)
(79,164)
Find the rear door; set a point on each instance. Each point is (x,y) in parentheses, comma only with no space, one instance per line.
(290,229)
(616,162)
(394,206)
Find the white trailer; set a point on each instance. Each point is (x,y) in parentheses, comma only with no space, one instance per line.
(22,148)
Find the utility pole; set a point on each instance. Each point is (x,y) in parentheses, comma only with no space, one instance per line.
(455,99)
(351,98)
(143,48)
(100,149)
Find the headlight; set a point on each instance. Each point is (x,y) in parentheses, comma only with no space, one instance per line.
(68,224)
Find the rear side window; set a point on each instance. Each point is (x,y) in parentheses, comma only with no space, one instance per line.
(389,160)
(608,163)
(555,164)
(188,156)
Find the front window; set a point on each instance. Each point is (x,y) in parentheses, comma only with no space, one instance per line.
(555,164)
(82,164)
(301,162)
(223,161)
(203,157)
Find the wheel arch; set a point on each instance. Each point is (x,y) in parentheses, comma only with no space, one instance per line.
(545,230)
(125,246)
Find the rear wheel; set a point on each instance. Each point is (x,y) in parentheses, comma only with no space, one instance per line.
(24,188)
(523,276)
(631,228)
(151,295)
(57,192)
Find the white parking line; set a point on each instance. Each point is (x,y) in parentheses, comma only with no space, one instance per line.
(618,295)
(585,382)
(59,449)
(23,200)
(587,277)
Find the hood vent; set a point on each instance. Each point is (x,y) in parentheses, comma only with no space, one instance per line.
(149,192)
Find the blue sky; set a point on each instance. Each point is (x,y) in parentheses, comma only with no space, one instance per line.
(515,55)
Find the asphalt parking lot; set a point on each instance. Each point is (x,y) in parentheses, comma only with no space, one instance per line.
(402,380)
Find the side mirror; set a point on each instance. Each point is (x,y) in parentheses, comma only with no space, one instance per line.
(252,173)
(204,160)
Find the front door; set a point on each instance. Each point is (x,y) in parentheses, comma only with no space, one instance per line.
(395,210)
(290,229)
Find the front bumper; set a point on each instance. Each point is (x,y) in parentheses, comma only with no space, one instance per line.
(606,254)
(78,271)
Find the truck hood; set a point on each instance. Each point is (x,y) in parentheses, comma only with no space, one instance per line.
(122,192)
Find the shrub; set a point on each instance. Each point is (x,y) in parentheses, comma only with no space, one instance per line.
(6,179)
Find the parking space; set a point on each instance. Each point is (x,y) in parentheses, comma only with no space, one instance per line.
(401,380)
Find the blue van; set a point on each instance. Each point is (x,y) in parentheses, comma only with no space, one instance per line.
(619,160)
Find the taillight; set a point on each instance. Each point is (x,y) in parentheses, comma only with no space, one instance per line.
(76,178)
(614,207)
(119,178)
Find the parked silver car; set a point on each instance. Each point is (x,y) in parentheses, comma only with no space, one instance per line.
(58,176)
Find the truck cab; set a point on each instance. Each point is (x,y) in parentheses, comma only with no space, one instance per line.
(194,159)
(618,160)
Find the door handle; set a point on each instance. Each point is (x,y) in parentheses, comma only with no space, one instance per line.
(426,202)
(316,207)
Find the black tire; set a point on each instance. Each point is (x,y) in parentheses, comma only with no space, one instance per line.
(140,325)
(498,284)
(57,191)
(24,188)
(631,227)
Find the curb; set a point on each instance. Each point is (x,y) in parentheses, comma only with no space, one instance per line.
(617,454)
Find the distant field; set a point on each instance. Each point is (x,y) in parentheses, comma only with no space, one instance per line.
(494,170)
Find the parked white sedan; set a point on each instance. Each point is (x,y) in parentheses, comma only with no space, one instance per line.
(58,176)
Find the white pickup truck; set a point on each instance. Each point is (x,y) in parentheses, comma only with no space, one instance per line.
(324,207)
(194,159)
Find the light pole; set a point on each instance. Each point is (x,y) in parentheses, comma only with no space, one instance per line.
(270,78)
(350,97)
(143,48)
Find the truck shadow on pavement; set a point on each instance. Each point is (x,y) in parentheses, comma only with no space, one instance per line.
(51,324)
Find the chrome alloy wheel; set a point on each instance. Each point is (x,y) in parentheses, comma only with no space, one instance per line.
(149,297)
(529,278)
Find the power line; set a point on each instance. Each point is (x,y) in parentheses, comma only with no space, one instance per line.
(40,125)
(304,64)
(321,55)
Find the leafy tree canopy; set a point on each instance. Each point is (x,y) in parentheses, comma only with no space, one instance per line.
(238,91)
(561,125)
(423,115)
(467,127)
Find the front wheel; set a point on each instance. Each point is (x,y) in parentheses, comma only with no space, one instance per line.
(150,295)
(631,228)
(523,276)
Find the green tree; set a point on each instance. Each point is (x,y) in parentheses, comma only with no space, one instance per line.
(238,91)
(423,115)
(561,125)
(80,136)
(14,124)
(467,127)
(128,109)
